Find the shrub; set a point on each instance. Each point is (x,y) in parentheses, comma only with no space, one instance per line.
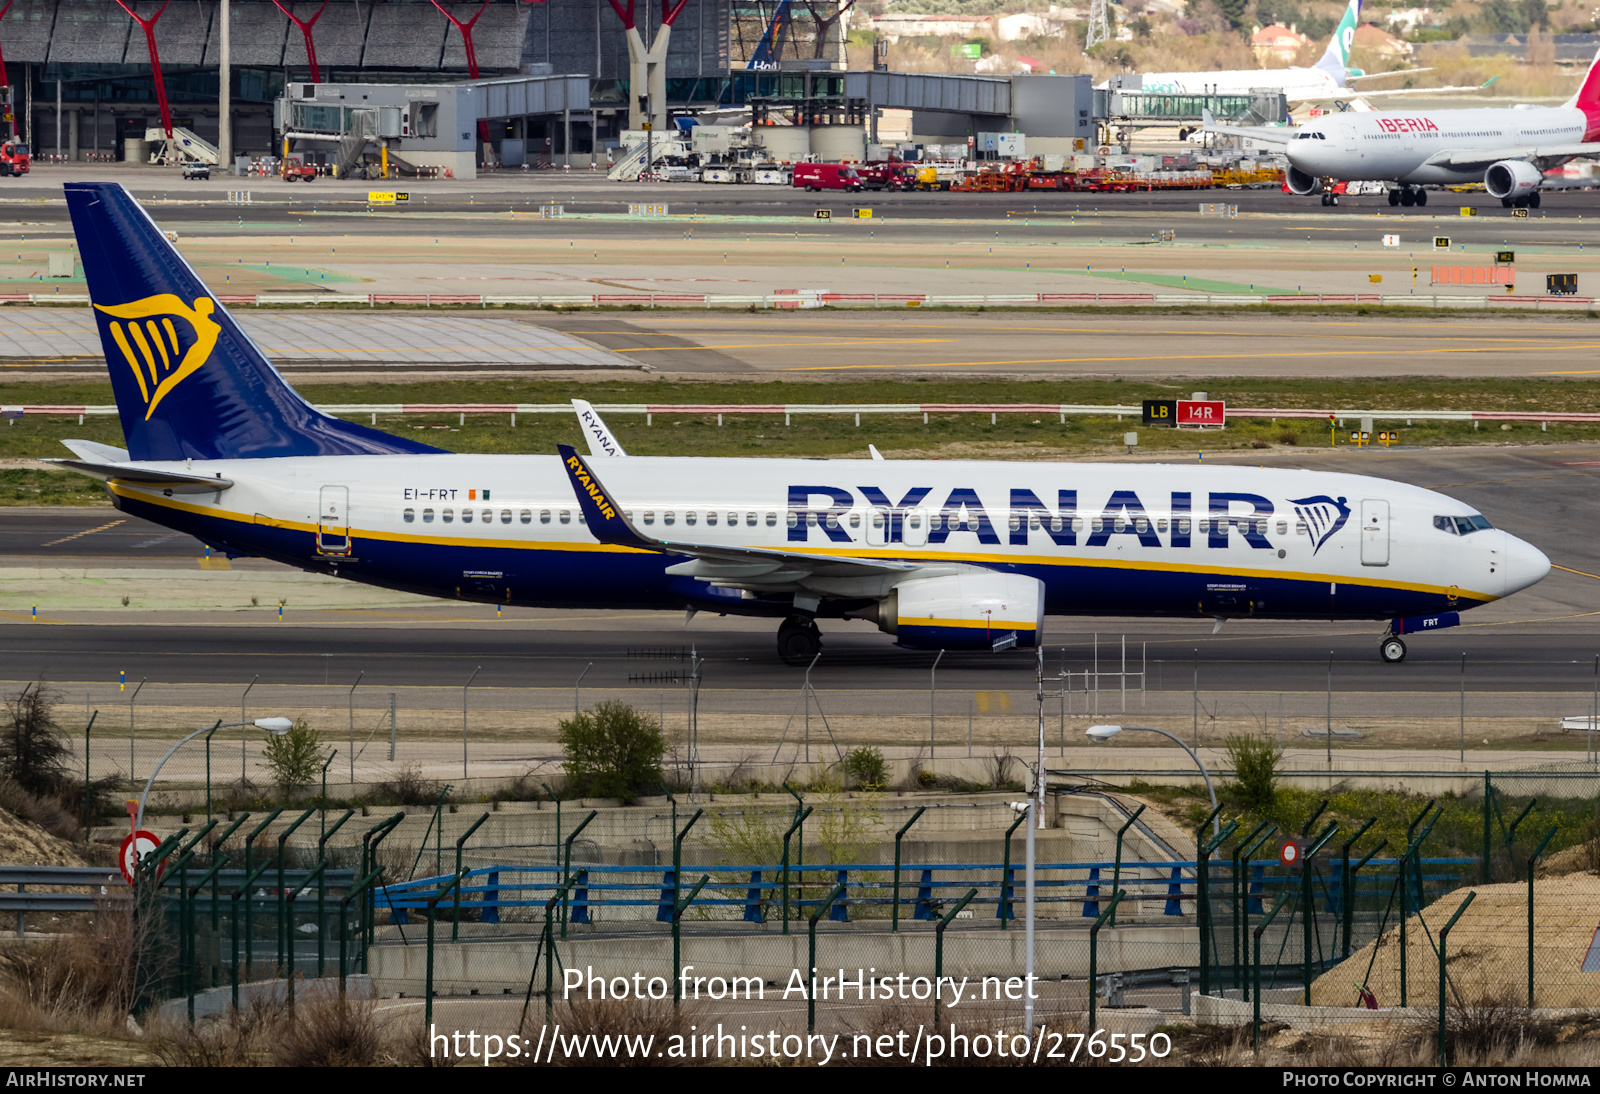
(406,787)
(32,752)
(295,757)
(866,766)
(613,751)
(1255,765)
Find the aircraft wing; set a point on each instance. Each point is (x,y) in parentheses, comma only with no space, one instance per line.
(174,481)
(1532,152)
(1266,134)
(750,567)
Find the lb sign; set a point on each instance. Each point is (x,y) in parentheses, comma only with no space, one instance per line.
(135,846)
(1289,853)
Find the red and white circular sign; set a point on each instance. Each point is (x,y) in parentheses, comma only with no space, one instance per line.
(1289,853)
(135,846)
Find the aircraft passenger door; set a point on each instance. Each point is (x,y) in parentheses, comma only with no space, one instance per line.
(1374,532)
(333,521)
(877,527)
(914,527)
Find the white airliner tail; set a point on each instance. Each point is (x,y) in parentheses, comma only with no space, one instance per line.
(1335,59)
(1588,93)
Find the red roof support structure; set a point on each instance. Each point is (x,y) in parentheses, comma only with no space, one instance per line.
(472,54)
(5,80)
(307,26)
(149,28)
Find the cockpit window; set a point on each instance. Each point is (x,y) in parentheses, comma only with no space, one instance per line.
(1462,526)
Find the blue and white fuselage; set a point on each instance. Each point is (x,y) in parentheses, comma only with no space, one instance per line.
(941,554)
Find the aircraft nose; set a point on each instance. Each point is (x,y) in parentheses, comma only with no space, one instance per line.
(1525,564)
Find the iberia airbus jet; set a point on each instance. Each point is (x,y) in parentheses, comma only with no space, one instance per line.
(942,555)
(1508,149)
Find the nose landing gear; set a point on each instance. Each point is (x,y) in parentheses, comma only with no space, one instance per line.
(1392,650)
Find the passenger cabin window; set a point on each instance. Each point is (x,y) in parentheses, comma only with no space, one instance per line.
(447,515)
(711,520)
(566,516)
(914,519)
(733,520)
(793,519)
(505,516)
(466,516)
(1283,527)
(1301,529)
(772,520)
(689,517)
(649,516)
(544,516)
(526,516)
(427,516)
(668,517)
(1161,524)
(410,515)
(750,520)
(1181,526)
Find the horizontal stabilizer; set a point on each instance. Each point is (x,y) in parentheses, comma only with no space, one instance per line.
(95,452)
(176,482)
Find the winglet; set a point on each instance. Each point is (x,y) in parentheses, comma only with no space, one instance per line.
(602,441)
(606,521)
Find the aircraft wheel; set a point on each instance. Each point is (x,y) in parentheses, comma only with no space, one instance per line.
(1392,650)
(1422,196)
(1394,197)
(1325,201)
(1333,199)
(1407,198)
(1533,200)
(1505,203)
(798,642)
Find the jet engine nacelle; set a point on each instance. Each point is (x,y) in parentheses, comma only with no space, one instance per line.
(1512,179)
(1302,183)
(965,612)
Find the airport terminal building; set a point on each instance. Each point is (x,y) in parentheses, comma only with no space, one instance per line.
(84,83)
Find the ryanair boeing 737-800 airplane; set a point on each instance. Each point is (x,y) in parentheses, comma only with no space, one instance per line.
(940,554)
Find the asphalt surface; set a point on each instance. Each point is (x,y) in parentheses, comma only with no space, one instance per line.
(1541,639)
(474,209)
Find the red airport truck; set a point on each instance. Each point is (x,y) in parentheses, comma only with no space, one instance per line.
(827,176)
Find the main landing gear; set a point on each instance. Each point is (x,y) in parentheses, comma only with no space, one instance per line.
(799,640)
(1329,198)
(1408,196)
(1392,650)
(1527,201)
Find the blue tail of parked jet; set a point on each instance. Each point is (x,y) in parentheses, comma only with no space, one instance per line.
(188,381)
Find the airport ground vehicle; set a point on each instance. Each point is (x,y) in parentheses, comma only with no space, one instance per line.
(827,176)
(294,171)
(14,158)
(194,170)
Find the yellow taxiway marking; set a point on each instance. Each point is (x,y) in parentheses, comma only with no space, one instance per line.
(784,345)
(1570,570)
(85,532)
(1324,354)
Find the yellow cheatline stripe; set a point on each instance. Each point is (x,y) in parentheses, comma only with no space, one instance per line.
(847,552)
(85,532)
(994,624)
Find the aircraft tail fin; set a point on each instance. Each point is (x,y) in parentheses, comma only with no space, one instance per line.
(189,383)
(1335,60)
(1587,97)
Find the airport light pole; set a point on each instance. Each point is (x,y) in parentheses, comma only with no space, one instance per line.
(275,726)
(1101,734)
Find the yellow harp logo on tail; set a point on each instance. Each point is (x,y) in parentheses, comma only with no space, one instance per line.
(152,345)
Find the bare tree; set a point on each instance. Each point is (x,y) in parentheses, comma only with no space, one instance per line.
(825,23)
